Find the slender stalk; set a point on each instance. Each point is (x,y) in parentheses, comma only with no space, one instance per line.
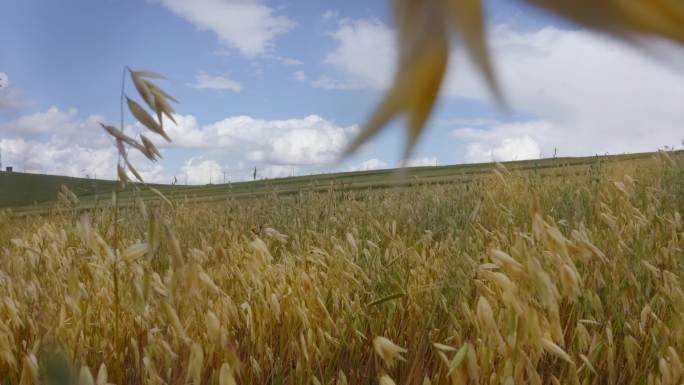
(123,96)
(115,243)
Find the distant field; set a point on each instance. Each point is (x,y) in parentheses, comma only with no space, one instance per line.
(36,193)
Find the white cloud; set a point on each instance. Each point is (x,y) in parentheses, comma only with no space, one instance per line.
(420,162)
(64,127)
(204,170)
(277,148)
(51,158)
(516,149)
(288,61)
(585,93)
(43,122)
(307,141)
(284,60)
(151,172)
(507,141)
(198,170)
(60,142)
(370,164)
(10,99)
(467,122)
(591,95)
(4,80)
(328,83)
(363,56)
(365,53)
(376,164)
(502,149)
(246,25)
(276,171)
(10,96)
(215,82)
(300,76)
(72,160)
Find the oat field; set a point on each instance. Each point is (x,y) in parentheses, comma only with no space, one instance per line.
(513,277)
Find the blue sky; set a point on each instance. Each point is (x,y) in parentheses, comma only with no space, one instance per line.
(283,85)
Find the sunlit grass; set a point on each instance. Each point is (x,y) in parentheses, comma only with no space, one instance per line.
(511,278)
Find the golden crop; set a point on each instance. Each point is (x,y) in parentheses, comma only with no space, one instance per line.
(514,278)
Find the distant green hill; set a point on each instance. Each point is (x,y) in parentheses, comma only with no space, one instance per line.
(19,189)
(35,193)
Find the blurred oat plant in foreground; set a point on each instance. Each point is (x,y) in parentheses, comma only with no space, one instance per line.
(159,102)
(426,30)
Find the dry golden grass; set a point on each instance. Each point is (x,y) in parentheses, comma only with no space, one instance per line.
(511,279)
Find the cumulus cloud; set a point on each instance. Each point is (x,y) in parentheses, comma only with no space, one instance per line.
(588,94)
(10,99)
(72,160)
(206,81)
(271,171)
(43,122)
(420,162)
(328,83)
(236,145)
(65,127)
(61,142)
(204,170)
(364,54)
(246,25)
(198,170)
(370,164)
(508,141)
(376,164)
(584,93)
(50,158)
(300,76)
(502,149)
(311,140)
(288,61)
(10,96)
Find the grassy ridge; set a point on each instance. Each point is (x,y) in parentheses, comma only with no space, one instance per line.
(19,189)
(35,193)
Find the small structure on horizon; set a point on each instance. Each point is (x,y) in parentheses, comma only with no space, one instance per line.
(9,169)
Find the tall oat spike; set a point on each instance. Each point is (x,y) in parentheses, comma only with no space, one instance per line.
(158,101)
(424,28)
(423,52)
(156,98)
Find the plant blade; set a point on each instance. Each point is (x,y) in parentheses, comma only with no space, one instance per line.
(146,119)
